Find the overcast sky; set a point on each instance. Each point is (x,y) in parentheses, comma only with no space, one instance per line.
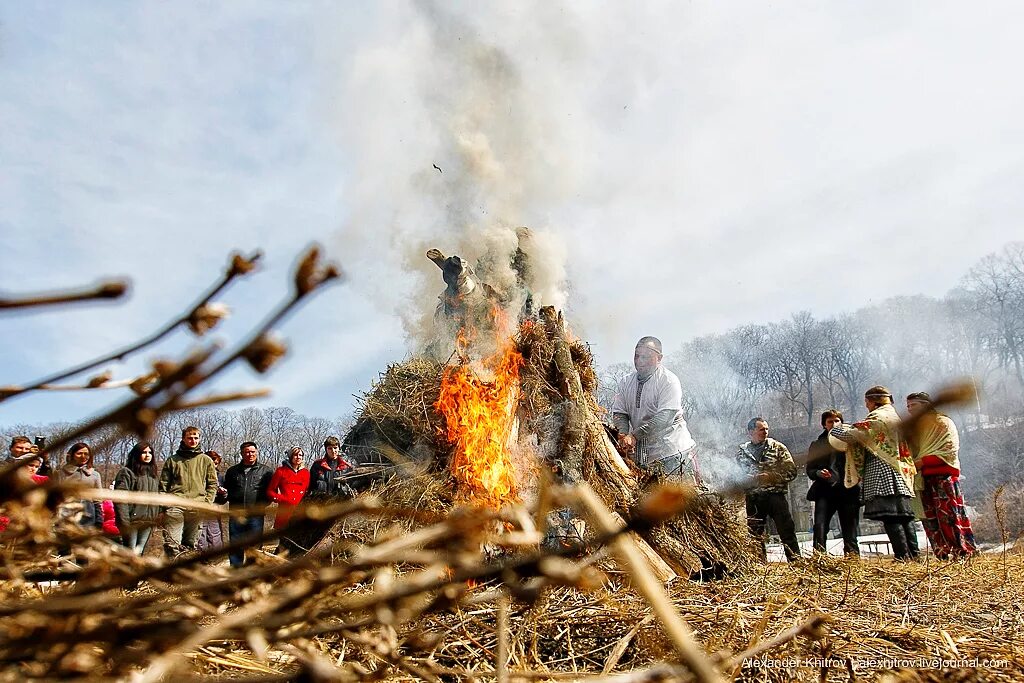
(694,166)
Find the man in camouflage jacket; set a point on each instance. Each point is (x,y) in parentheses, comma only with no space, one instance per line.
(771,468)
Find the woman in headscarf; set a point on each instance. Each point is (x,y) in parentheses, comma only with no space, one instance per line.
(935,445)
(878,458)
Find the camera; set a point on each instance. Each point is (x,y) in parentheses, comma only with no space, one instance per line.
(40,449)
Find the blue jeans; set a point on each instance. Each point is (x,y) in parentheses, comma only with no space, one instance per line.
(240,528)
(136,538)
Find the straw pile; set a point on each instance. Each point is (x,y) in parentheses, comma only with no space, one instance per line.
(559,416)
(398,413)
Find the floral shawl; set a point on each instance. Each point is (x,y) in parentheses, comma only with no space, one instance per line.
(936,435)
(878,434)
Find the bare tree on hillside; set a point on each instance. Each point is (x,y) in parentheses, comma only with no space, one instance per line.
(283,430)
(316,431)
(968,343)
(998,282)
(214,423)
(798,352)
(846,361)
(249,425)
(608,380)
(716,401)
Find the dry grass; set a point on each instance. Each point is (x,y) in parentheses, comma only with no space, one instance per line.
(877,610)
(388,602)
(398,412)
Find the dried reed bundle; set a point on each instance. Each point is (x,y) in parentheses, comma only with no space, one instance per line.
(399,408)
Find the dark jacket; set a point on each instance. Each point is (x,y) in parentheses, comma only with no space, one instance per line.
(247,485)
(126,513)
(324,478)
(821,456)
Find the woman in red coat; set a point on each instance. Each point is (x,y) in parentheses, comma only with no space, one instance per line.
(288,485)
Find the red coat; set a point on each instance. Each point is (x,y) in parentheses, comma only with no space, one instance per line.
(5,520)
(109,520)
(286,488)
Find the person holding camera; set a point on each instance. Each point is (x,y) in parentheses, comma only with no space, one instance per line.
(19,448)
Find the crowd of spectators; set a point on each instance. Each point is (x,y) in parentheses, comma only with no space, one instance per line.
(192,475)
(878,467)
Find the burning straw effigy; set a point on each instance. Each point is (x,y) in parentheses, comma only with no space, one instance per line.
(446,570)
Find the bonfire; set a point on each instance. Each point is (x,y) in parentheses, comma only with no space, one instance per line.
(511,410)
(479,410)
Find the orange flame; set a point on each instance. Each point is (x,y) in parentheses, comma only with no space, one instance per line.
(480,415)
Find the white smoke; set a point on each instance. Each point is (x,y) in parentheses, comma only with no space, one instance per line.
(458,139)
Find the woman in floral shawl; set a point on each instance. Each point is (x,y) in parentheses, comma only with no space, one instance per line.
(935,445)
(878,459)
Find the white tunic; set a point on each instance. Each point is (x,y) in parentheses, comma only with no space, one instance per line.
(661,391)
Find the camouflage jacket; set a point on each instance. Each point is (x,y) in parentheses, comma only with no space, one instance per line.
(775,461)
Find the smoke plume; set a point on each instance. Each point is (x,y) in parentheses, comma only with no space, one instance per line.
(456,144)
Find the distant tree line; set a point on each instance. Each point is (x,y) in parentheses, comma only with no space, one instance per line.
(793,369)
(274,429)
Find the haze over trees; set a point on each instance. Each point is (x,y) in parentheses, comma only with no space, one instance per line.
(791,370)
(795,368)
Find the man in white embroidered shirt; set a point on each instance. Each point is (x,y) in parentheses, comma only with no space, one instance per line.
(647,412)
